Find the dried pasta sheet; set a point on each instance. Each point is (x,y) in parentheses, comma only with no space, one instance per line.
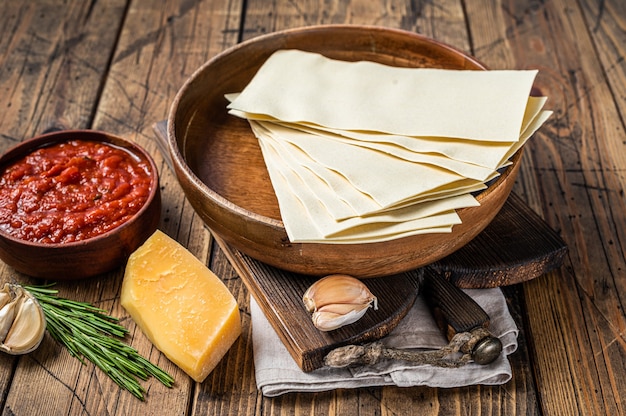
(487,154)
(297,86)
(307,220)
(385,178)
(463,168)
(360,152)
(318,200)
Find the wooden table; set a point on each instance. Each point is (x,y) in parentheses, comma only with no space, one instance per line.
(116,65)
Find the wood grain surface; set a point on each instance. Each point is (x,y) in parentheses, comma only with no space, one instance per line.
(116,66)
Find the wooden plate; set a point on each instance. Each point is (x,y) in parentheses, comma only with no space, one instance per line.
(220,167)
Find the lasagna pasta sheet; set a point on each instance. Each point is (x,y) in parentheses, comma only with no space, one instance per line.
(486,154)
(360,152)
(297,86)
(312,220)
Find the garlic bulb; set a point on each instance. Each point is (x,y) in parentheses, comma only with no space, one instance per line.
(22,321)
(338,300)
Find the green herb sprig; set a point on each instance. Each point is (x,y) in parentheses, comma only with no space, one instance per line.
(87,331)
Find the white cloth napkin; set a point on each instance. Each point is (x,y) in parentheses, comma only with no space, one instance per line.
(277,373)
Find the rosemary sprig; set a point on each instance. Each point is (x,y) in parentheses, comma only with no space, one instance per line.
(87,331)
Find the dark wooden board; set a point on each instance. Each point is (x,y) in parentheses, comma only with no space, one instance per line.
(518,245)
(515,247)
(279,295)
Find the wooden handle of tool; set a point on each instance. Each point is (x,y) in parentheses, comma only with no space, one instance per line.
(453,309)
(456,312)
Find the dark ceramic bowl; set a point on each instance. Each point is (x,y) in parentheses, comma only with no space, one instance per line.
(91,256)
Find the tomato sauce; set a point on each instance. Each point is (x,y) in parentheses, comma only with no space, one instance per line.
(72,191)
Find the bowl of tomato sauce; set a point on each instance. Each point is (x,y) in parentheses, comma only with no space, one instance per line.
(75,203)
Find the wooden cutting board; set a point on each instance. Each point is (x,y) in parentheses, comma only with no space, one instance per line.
(515,247)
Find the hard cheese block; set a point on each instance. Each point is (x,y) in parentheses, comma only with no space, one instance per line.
(180,305)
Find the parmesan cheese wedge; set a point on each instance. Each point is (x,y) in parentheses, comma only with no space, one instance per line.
(180,305)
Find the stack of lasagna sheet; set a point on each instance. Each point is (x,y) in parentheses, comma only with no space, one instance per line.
(361,152)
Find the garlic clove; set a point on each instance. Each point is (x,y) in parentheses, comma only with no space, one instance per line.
(343,308)
(4,298)
(26,325)
(338,300)
(336,288)
(7,315)
(27,331)
(328,321)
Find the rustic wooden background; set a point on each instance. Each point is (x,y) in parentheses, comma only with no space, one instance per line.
(116,65)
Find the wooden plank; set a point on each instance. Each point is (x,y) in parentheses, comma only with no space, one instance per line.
(571,177)
(279,295)
(50,78)
(515,247)
(50,74)
(605,22)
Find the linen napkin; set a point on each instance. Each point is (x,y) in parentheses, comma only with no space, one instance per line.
(277,373)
